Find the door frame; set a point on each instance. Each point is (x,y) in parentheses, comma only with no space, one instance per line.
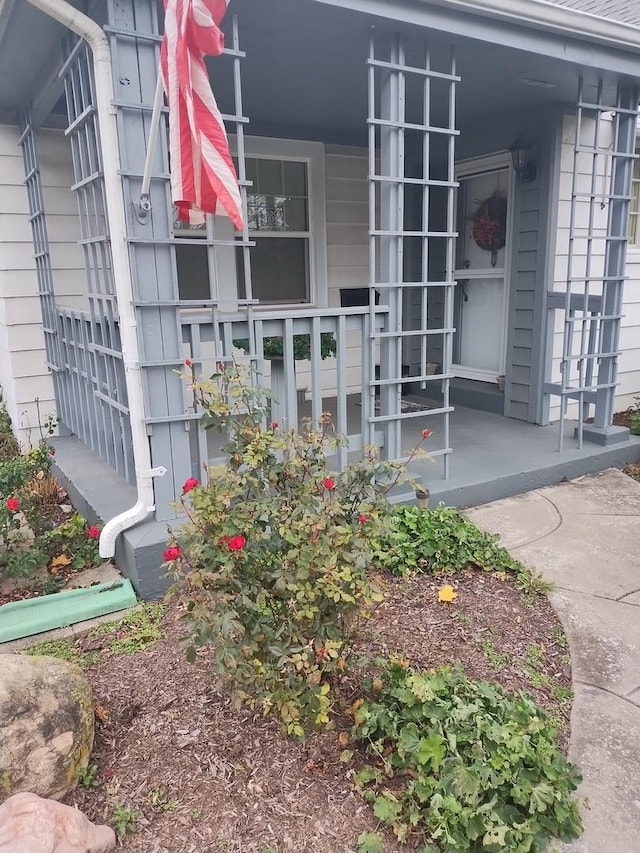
(465,169)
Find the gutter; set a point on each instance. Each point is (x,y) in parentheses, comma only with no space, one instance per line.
(92,33)
(549,16)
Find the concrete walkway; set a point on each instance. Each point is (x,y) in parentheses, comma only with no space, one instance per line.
(584,535)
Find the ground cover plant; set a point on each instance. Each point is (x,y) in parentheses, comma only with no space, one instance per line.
(42,540)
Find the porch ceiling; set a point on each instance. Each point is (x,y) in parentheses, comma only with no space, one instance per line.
(305,66)
(305,71)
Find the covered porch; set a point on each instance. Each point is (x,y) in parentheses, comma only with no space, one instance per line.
(369,142)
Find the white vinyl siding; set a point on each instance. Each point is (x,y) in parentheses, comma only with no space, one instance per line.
(23,373)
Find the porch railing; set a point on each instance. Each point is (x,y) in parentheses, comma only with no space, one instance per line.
(300,389)
(91,389)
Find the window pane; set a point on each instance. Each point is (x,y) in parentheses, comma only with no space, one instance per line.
(296,214)
(270,181)
(295,179)
(193,272)
(279,270)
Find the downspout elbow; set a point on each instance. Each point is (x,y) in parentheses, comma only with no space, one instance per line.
(142,508)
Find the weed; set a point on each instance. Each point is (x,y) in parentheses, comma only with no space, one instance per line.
(136,632)
(124,819)
(161,801)
(561,693)
(498,660)
(88,777)
(532,583)
(370,842)
(559,637)
(64,650)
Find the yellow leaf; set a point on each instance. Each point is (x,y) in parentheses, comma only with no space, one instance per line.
(447,593)
(343,738)
(62,560)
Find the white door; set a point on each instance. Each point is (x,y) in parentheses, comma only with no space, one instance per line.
(484,206)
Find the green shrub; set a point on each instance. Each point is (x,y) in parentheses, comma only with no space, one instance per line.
(440,539)
(75,541)
(275,559)
(464,764)
(634,416)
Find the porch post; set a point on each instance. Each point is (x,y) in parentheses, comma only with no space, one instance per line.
(392,110)
(134,36)
(615,265)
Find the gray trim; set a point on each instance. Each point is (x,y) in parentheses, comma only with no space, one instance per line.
(522,36)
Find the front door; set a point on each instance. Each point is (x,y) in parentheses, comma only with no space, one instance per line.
(480,312)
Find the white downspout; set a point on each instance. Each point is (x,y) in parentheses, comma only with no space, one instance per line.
(93,34)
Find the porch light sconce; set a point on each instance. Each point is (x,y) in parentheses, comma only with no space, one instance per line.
(526,170)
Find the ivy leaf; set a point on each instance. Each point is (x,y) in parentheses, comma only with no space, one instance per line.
(369,842)
(431,749)
(496,836)
(386,808)
(409,740)
(447,593)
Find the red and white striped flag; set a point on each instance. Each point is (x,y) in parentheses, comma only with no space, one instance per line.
(203,176)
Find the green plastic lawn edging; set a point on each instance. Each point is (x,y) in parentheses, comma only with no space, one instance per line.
(34,615)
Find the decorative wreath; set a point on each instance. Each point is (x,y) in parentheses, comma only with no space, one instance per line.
(489,225)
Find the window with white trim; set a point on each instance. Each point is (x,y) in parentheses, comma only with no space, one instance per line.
(634,211)
(286,222)
(279,224)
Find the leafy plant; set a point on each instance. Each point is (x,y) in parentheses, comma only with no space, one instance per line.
(634,416)
(440,539)
(123,819)
(76,541)
(274,559)
(274,346)
(88,777)
(464,764)
(139,630)
(65,649)
(161,801)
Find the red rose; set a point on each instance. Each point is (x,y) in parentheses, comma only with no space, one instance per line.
(52,451)
(329,483)
(362,518)
(189,484)
(188,362)
(237,543)
(172,553)
(12,504)
(93,532)
(274,424)
(426,433)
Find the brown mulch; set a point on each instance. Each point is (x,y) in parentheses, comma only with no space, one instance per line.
(633,470)
(204,776)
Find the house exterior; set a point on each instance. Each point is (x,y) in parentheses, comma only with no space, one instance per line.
(449,188)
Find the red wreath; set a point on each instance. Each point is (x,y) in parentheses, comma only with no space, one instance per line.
(489,225)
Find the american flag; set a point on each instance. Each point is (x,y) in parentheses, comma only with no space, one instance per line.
(203,176)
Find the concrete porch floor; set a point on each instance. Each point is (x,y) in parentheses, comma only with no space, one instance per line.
(493,457)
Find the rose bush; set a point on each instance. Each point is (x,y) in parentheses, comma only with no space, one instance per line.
(274,559)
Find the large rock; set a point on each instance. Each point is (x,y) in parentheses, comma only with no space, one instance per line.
(29,824)
(46,725)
